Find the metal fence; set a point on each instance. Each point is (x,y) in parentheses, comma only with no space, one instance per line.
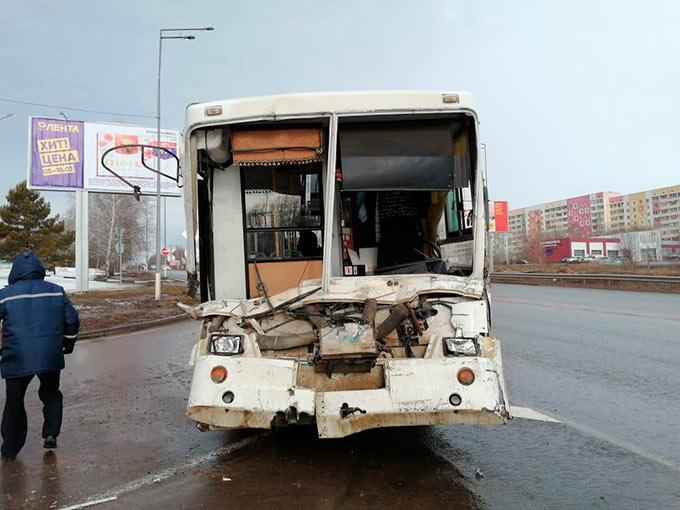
(670,283)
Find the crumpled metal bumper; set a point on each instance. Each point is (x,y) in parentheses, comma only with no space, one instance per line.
(416,392)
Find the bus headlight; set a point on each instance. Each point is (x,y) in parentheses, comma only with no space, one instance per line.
(226,345)
(460,347)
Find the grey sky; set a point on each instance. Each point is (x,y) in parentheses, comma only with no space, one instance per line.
(574,97)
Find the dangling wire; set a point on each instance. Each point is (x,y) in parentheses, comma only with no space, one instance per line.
(136,190)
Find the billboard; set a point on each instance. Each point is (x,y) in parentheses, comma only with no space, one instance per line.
(66,155)
(498,221)
(56,153)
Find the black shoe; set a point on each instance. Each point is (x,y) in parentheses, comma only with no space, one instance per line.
(50,442)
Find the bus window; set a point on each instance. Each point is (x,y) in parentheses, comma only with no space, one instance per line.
(283,225)
(282,205)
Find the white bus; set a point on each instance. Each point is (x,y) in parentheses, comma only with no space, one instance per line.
(340,258)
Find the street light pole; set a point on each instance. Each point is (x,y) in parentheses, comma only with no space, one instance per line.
(165,232)
(161,37)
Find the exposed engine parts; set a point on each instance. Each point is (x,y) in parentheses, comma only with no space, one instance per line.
(283,342)
(339,337)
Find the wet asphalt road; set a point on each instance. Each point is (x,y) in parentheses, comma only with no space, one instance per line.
(606,363)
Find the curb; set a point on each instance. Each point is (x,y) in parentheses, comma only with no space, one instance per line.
(131,328)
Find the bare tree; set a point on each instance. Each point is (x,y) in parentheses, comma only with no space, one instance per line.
(110,212)
(626,249)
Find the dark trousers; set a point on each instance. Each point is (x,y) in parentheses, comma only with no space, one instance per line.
(14,421)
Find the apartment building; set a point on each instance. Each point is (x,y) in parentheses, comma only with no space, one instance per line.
(598,214)
(580,217)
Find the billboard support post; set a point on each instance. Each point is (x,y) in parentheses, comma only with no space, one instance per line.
(82,248)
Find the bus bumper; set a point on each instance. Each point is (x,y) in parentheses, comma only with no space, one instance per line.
(259,392)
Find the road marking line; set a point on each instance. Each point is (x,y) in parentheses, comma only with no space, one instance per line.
(624,445)
(529,414)
(90,503)
(161,476)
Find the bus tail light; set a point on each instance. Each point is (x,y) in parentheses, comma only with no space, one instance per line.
(218,374)
(466,376)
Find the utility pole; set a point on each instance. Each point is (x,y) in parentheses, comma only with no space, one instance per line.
(146,232)
(165,238)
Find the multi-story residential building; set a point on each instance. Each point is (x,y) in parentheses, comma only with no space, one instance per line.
(598,214)
(574,217)
(665,212)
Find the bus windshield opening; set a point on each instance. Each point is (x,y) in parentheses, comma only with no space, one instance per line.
(406,196)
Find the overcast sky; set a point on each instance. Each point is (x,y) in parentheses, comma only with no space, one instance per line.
(574,97)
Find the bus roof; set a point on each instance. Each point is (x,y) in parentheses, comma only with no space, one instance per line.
(319,103)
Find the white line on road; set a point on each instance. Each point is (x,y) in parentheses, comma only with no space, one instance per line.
(624,445)
(530,414)
(90,503)
(161,476)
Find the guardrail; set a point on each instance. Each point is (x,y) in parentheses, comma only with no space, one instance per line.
(513,277)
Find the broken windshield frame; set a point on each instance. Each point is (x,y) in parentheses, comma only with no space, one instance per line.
(136,190)
(406,193)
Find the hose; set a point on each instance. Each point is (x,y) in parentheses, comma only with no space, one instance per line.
(370,309)
(283,342)
(398,314)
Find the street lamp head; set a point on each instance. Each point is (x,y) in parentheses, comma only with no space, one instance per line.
(190,37)
(209,28)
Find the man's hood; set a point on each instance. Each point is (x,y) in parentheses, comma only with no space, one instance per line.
(26,267)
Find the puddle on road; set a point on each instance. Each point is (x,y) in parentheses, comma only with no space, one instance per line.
(381,469)
(18,489)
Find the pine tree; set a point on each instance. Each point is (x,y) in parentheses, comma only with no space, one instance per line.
(25,224)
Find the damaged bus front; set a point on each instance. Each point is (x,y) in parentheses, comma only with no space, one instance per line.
(340,256)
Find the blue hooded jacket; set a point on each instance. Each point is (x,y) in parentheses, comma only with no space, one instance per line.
(39,323)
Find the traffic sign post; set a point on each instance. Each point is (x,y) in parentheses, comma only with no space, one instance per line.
(165,252)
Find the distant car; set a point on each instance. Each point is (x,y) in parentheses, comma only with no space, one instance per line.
(571,260)
(521,261)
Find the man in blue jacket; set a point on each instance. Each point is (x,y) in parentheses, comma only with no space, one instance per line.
(39,326)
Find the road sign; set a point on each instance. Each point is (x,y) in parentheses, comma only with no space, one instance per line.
(119,247)
(165,252)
